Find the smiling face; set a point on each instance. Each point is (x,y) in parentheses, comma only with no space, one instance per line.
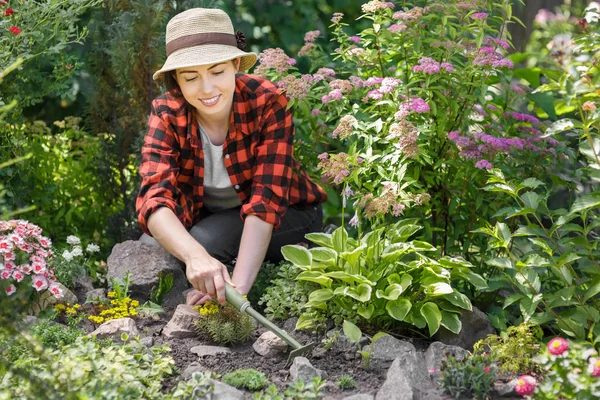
(209,88)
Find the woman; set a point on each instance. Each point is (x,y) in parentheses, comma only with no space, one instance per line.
(219,181)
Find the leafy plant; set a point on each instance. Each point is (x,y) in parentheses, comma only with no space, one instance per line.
(513,349)
(165,284)
(473,376)
(354,334)
(346,382)
(73,263)
(223,323)
(250,379)
(199,385)
(569,374)
(297,390)
(382,279)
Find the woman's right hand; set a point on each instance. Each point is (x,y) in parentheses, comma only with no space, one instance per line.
(208,275)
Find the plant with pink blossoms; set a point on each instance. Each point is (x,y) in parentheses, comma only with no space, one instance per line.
(24,256)
(573,374)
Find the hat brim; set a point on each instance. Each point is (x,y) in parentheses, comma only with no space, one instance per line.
(206,55)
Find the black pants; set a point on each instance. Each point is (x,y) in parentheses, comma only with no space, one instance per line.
(220,233)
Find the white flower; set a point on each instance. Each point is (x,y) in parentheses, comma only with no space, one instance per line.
(39,282)
(76,251)
(10,290)
(56,290)
(92,248)
(67,256)
(73,240)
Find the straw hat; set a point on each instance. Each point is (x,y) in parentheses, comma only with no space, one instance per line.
(202,36)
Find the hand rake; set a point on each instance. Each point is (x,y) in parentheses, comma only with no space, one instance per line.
(239,302)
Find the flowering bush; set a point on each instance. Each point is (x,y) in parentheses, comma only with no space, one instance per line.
(73,262)
(412,111)
(24,253)
(473,376)
(571,371)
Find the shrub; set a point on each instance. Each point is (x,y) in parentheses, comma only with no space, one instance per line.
(513,349)
(223,323)
(250,379)
(474,376)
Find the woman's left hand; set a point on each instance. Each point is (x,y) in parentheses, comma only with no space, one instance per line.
(196,298)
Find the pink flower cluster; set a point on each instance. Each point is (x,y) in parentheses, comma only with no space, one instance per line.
(594,366)
(274,59)
(429,66)
(416,105)
(309,42)
(294,88)
(408,135)
(23,254)
(411,15)
(489,57)
(345,127)
(337,17)
(480,15)
(335,94)
(490,41)
(336,167)
(401,27)
(375,5)
(387,85)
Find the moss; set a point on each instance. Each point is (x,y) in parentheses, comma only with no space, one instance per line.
(250,379)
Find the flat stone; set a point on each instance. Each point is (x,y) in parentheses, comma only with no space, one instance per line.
(146,262)
(204,350)
(95,295)
(147,341)
(302,369)
(360,396)
(223,391)
(475,326)
(191,369)
(407,379)
(181,324)
(270,345)
(388,348)
(436,354)
(115,327)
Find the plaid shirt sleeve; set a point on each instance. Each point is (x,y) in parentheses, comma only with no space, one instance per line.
(272,171)
(159,170)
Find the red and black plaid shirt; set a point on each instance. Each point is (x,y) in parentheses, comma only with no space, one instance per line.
(258,154)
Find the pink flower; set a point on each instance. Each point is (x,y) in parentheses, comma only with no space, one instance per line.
(323,156)
(355,39)
(10,290)
(45,242)
(55,290)
(401,27)
(483,164)
(419,106)
(594,366)
(486,369)
(315,112)
(589,106)
(557,346)
(337,17)
(39,282)
(354,220)
(481,15)
(525,385)
(5,245)
(335,94)
(311,36)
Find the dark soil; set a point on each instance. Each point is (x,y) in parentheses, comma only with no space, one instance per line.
(333,363)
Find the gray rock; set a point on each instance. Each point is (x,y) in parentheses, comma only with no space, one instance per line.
(95,295)
(475,326)
(270,345)
(47,299)
(505,389)
(147,341)
(388,348)
(204,350)
(83,284)
(436,354)
(189,371)
(360,396)
(302,369)
(181,324)
(223,391)
(407,379)
(115,327)
(145,262)
(290,325)
(342,343)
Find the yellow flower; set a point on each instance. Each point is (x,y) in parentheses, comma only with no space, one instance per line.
(71,311)
(76,306)
(135,303)
(111,295)
(59,307)
(114,302)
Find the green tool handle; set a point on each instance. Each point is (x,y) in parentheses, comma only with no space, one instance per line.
(240,303)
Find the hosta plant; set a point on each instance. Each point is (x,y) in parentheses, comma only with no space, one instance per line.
(383,278)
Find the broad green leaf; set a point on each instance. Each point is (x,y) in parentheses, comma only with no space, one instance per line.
(501,262)
(349,278)
(422,246)
(394,251)
(398,309)
(405,281)
(432,314)
(451,322)
(541,243)
(499,187)
(541,318)
(392,292)
(513,298)
(416,318)
(531,183)
(571,328)
(559,126)
(529,280)
(366,311)
(339,237)
(586,202)
(592,291)
(439,288)
(528,305)
(378,336)
(372,238)
(406,231)
(531,200)
(459,300)
(546,102)
(567,258)
(351,331)
(588,151)
(324,254)
(474,279)
(361,292)
(452,262)
(297,255)
(304,321)
(352,256)
(322,239)
(529,230)
(314,276)
(318,298)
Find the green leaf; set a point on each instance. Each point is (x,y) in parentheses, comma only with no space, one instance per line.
(339,237)
(422,246)
(352,256)
(361,292)
(541,243)
(304,321)
(349,278)
(398,309)
(528,278)
(366,311)
(459,300)
(297,255)
(351,331)
(513,298)
(406,231)
(322,239)
(559,126)
(532,183)
(546,102)
(394,251)
(567,258)
(452,262)
(592,291)
(586,202)
(433,316)
(392,292)
(378,336)
(439,288)
(531,200)
(590,152)
(451,322)
(474,279)
(501,262)
(528,305)
(324,254)
(318,298)
(314,276)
